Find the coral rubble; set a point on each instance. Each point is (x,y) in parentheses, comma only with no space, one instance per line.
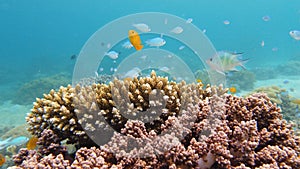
(188,127)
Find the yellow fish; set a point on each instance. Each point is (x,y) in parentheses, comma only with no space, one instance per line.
(135,39)
(32,142)
(232,90)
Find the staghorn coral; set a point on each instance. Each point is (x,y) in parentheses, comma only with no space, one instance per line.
(211,129)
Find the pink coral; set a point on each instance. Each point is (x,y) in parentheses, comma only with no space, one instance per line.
(220,131)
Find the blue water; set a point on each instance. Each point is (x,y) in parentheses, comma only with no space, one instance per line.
(38,37)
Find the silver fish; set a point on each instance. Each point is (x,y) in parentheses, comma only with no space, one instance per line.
(156,42)
(295,34)
(225,62)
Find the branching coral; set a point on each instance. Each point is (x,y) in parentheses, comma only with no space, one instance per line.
(198,128)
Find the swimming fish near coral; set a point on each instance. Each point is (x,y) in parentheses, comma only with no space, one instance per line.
(295,34)
(135,39)
(142,27)
(198,80)
(32,142)
(112,54)
(2,160)
(13,141)
(157,42)
(227,62)
(232,90)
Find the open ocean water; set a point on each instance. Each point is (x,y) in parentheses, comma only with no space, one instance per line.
(41,40)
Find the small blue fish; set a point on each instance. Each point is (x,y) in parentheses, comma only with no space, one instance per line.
(156,42)
(13,142)
(285,81)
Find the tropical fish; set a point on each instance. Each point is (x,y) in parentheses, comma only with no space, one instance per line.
(2,160)
(135,39)
(156,42)
(4,143)
(199,80)
(112,54)
(127,45)
(227,62)
(177,30)
(32,142)
(142,27)
(232,90)
(286,81)
(13,141)
(295,34)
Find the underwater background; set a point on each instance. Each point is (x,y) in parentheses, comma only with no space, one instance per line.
(40,41)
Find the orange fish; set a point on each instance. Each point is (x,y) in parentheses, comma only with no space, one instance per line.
(135,39)
(31,144)
(232,90)
(2,160)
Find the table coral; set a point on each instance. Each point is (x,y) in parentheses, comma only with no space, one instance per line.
(211,129)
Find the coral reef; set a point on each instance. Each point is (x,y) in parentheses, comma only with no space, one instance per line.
(283,100)
(243,79)
(35,88)
(264,73)
(203,76)
(273,92)
(289,68)
(191,127)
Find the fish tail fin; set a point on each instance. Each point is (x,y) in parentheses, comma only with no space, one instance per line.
(139,47)
(243,62)
(237,53)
